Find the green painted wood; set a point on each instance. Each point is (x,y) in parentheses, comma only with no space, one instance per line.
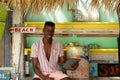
(103,42)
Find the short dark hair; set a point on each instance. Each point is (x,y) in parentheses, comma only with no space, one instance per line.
(49,23)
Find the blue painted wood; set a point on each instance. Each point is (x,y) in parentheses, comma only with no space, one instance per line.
(4,75)
(6,48)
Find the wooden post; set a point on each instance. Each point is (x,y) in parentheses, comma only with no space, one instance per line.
(17,43)
(118,39)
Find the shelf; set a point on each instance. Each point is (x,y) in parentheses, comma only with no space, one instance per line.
(28,51)
(92,51)
(104,29)
(103,51)
(76,25)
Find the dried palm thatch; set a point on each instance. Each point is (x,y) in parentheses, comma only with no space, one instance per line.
(107,4)
(40,5)
(21,5)
(94,3)
(118,10)
(36,6)
(71,3)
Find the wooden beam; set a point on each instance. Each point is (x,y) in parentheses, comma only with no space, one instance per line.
(102,29)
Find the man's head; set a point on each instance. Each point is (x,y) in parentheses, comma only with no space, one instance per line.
(48,29)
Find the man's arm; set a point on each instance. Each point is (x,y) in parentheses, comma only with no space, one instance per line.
(35,63)
(62,60)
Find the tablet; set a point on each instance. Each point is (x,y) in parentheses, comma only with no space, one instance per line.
(70,62)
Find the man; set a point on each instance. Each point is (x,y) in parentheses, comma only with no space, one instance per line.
(45,56)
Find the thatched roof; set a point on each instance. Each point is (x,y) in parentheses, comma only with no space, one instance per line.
(37,6)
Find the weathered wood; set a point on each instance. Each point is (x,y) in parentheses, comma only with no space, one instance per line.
(7,39)
(6,49)
(17,44)
(10,13)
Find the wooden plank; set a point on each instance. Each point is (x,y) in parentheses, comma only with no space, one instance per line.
(6,49)
(76,25)
(110,29)
(7,40)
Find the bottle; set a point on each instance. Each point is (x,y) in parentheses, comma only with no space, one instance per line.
(26,63)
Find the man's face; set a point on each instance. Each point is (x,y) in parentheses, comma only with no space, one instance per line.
(48,32)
